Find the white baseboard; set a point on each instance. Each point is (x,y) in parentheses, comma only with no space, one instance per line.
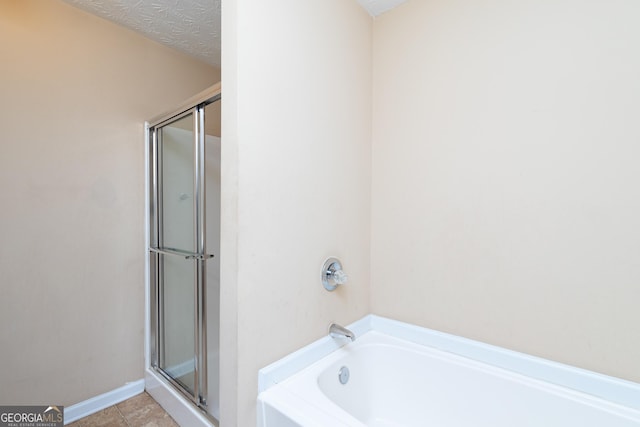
(98,403)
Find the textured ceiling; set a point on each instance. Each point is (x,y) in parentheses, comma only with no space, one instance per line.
(192,26)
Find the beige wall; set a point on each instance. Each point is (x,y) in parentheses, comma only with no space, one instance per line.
(75,92)
(505,197)
(506,204)
(296,114)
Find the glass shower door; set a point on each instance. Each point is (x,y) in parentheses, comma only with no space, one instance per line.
(177,334)
(178,253)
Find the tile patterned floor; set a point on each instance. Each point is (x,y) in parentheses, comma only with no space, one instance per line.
(138,411)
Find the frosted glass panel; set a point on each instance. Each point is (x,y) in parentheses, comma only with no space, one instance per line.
(176,148)
(178,314)
(177,167)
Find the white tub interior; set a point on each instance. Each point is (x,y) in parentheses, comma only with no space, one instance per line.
(402,381)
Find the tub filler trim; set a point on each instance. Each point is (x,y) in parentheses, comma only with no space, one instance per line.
(615,390)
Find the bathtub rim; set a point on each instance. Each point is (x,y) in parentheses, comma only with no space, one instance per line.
(612,389)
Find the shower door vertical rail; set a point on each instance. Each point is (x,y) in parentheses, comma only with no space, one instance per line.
(161,252)
(201,273)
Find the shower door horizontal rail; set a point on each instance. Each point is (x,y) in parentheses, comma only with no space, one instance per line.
(178,252)
(208,95)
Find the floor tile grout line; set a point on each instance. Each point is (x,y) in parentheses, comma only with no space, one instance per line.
(122,416)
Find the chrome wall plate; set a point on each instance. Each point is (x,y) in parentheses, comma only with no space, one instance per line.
(332,274)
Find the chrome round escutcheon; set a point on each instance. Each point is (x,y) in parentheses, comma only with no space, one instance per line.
(332,274)
(343,375)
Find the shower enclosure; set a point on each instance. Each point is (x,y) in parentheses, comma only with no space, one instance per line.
(184,243)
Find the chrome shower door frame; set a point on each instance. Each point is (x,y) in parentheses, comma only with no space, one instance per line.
(157,252)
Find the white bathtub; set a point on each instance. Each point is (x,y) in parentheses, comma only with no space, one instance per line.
(398,378)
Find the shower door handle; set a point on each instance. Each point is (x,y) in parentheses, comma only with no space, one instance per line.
(200,256)
(185,254)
